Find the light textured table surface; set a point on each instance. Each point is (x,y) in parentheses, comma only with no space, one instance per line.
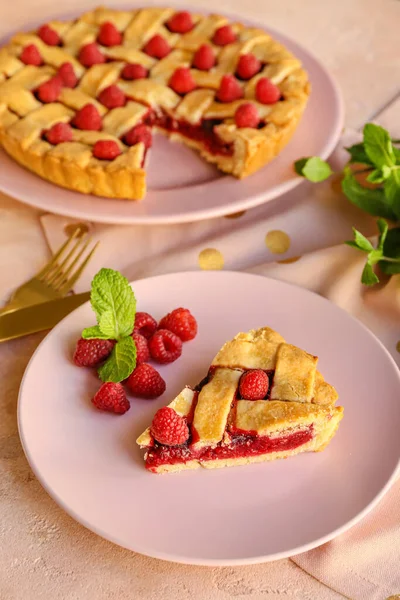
(44,554)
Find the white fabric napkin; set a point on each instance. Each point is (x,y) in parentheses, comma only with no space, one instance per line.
(312,222)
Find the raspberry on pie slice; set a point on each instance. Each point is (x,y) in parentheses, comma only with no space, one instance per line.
(262,399)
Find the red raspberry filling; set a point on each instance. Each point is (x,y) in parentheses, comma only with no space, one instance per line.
(182,81)
(30,55)
(112,97)
(229,89)
(165,347)
(88,118)
(109,35)
(180,22)
(67,74)
(224,35)
(169,428)
(106,150)
(139,133)
(111,398)
(246,115)
(266,91)
(248,65)
(254,385)
(58,133)
(146,382)
(50,90)
(48,35)
(90,55)
(134,71)
(204,58)
(157,47)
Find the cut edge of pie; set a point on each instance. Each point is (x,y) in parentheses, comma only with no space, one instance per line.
(297,415)
(196,118)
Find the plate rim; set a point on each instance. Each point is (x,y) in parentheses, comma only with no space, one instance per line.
(245,203)
(207,561)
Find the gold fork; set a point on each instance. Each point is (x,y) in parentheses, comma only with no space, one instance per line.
(58,277)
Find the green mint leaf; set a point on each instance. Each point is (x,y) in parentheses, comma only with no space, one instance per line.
(353,244)
(378,145)
(373,202)
(299,165)
(368,276)
(392,191)
(383,230)
(94,333)
(121,362)
(114,303)
(358,154)
(316,169)
(394,141)
(391,246)
(396,152)
(362,242)
(376,176)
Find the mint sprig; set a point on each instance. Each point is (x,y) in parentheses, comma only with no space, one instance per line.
(114,305)
(382,254)
(379,158)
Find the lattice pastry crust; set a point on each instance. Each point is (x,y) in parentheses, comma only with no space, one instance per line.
(239,151)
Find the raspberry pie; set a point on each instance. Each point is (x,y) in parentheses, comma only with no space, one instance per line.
(78,99)
(262,399)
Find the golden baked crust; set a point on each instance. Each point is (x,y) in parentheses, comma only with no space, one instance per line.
(23,118)
(298,411)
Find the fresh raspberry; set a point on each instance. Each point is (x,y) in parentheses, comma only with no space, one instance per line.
(134,71)
(145,324)
(182,81)
(48,35)
(50,90)
(109,35)
(229,89)
(90,55)
(254,385)
(248,65)
(111,397)
(165,346)
(169,428)
(246,115)
(157,47)
(142,349)
(88,118)
(204,58)
(106,150)
(58,133)
(67,74)
(267,92)
(89,353)
(224,35)
(30,55)
(180,22)
(138,133)
(181,322)
(112,97)
(146,382)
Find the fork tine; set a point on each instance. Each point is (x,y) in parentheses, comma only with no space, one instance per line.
(69,283)
(53,261)
(58,271)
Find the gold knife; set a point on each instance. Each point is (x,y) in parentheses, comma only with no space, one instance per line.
(38,317)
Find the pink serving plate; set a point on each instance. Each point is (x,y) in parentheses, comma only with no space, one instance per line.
(89,463)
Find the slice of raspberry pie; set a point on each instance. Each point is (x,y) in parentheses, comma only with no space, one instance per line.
(228,91)
(262,399)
